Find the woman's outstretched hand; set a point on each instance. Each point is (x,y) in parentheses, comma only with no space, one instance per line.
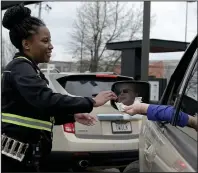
(85,119)
(136,108)
(103,97)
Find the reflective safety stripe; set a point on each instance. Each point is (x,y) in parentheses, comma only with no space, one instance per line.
(5,72)
(24,58)
(27,122)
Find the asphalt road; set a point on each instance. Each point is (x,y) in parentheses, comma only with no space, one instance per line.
(59,161)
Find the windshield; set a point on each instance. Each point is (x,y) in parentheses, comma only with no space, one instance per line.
(88,86)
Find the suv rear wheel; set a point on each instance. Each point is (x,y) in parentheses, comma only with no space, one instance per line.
(132,167)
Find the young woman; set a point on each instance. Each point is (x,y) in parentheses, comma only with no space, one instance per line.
(29,107)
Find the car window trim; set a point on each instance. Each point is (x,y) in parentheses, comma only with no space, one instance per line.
(183,87)
(173,84)
(179,72)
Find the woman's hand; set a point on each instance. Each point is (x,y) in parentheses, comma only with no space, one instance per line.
(104,97)
(85,119)
(136,108)
(192,122)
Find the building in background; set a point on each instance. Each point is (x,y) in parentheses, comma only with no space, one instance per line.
(61,66)
(157,69)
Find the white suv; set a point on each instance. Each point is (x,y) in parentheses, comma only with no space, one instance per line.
(111,142)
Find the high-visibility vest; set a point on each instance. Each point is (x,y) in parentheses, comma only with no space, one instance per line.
(26,121)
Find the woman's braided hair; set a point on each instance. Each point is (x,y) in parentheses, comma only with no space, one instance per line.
(21,24)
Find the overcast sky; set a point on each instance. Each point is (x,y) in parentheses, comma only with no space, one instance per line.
(169,25)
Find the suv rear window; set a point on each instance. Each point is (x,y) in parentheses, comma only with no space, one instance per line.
(88,86)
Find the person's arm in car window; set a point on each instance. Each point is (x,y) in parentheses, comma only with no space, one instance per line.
(161,113)
(192,122)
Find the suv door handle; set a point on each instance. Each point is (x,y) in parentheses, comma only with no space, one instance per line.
(149,153)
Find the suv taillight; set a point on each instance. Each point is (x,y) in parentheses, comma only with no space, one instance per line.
(69,128)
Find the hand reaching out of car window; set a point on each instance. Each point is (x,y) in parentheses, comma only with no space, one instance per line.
(136,108)
(103,97)
(161,113)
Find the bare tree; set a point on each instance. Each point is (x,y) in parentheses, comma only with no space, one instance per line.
(84,65)
(41,7)
(7,52)
(98,23)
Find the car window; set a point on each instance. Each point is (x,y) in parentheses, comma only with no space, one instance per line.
(189,102)
(88,86)
(190,98)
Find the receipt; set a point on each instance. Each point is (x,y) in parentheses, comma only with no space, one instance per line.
(138,99)
(120,106)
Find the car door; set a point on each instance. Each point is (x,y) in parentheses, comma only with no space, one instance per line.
(180,153)
(161,145)
(187,101)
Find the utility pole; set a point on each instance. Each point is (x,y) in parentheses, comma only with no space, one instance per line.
(186,25)
(145,41)
(47,8)
(186,20)
(40,9)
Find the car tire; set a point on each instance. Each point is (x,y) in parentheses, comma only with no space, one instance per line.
(121,169)
(132,167)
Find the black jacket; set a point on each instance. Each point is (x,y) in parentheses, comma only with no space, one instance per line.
(25,93)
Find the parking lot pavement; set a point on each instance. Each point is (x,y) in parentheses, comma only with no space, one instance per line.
(59,162)
(61,158)
(102,170)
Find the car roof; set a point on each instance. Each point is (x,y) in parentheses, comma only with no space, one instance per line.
(62,74)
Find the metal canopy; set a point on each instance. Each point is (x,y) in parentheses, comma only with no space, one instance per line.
(8,4)
(156,45)
(133,63)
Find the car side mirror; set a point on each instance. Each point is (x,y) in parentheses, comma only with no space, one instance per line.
(128,91)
